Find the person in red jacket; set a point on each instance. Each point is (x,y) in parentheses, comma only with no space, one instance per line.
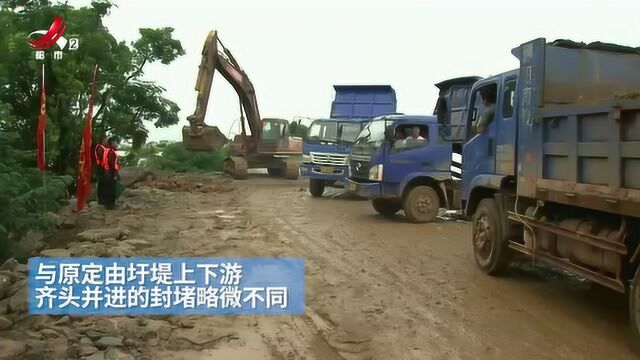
(111,175)
(98,154)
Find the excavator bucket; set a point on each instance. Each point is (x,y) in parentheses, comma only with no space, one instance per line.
(203,138)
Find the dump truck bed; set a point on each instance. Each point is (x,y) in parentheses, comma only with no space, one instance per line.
(579,126)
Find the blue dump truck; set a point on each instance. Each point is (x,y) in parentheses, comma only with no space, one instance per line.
(403,162)
(551,164)
(328,142)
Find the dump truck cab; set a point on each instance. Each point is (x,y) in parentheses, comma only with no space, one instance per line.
(490,130)
(328,142)
(398,162)
(412,163)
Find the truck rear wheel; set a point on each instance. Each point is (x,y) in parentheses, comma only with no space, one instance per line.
(316,187)
(421,204)
(634,310)
(491,252)
(386,207)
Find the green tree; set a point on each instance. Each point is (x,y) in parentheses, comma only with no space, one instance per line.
(125,102)
(24,199)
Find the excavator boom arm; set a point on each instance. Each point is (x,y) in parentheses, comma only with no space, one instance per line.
(216,57)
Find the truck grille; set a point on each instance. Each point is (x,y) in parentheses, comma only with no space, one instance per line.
(360,168)
(329,159)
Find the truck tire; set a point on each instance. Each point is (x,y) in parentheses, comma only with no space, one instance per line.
(634,311)
(386,207)
(490,250)
(316,187)
(421,204)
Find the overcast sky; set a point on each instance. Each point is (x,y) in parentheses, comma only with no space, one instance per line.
(295,50)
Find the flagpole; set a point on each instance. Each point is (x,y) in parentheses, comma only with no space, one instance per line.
(44,150)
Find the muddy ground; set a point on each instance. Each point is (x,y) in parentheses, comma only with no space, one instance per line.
(375,288)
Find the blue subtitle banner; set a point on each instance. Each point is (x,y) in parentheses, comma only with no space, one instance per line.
(163,286)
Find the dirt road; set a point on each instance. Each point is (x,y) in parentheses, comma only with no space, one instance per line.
(391,290)
(375,288)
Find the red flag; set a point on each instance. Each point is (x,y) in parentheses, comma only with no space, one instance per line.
(83,183)
(42,125)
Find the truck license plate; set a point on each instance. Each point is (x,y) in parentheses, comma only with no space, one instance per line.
(353,187)
(326,169)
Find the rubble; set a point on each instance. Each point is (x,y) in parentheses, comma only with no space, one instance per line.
(35,349)
(48,333)
(97,337)
(107,341)
(115,354)
(5,284)
(9,265)
(5,323)
(62,321)
(137,243)
(87,248)
(106,326)
(57,348)
(179,183)
(96,356)
(96,235)
(66,217)
(55,253)
(11,349)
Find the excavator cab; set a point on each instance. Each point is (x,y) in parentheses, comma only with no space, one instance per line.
(276,138)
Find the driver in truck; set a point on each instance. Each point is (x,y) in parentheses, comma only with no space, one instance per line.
(415,139)
(488,98)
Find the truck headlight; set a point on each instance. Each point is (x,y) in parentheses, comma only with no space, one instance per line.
(375,173)
(306,158)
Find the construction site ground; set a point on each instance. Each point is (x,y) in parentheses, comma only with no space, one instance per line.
(376,288)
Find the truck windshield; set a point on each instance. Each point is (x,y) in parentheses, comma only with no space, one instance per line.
(370,138)
(333,131)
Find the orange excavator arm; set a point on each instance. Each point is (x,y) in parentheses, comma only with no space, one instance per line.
(199,136)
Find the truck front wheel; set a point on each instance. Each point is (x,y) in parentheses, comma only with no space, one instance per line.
(386,207)
(491,252)
(316,187)
(421,204)
(634,310)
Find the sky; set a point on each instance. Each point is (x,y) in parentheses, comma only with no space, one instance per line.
(294,51)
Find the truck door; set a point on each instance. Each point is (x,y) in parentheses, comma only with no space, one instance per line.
(479,152)
(406,154)
(506,129)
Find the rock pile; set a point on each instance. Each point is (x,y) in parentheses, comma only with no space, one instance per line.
(180,183)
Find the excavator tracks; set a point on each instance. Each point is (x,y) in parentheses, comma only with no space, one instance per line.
(236,167)
(290,169)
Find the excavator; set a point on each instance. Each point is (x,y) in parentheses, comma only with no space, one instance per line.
(268,145)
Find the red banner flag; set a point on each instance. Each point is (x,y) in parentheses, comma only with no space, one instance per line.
(83,184)
(42,125)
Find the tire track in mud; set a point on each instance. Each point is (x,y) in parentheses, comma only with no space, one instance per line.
(412,303)
(323,252)
(446,311)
